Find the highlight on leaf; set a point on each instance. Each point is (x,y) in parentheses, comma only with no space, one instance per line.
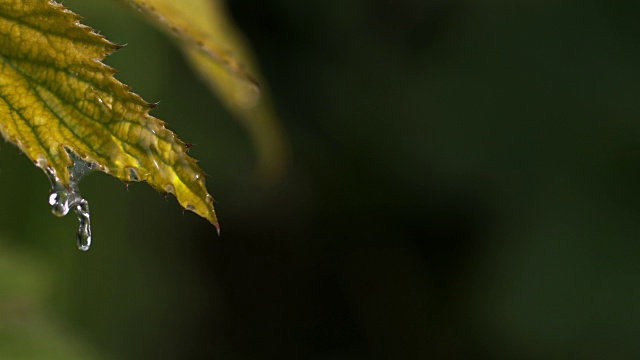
(61,105)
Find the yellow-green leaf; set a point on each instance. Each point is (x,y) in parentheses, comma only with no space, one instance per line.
(218,52)
(56,96)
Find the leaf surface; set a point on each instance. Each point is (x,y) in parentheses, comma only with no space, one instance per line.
(57,97)
(219,53)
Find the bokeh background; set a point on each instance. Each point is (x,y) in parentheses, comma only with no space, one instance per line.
(464,184)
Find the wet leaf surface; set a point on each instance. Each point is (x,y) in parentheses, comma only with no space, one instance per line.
(58,101)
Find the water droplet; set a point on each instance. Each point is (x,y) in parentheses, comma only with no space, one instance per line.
(190,207)
(62,199)
(83,238)
(106,105)
(59,201)
(133,175)
(41,161)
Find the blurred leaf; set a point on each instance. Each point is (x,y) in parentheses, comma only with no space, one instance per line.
(220,55)
(57,97)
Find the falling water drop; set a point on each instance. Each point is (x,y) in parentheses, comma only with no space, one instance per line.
(62,199)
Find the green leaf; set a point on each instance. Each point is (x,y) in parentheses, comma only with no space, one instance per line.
(218,52)
(56,96)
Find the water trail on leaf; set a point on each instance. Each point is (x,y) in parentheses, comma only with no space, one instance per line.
(63,199)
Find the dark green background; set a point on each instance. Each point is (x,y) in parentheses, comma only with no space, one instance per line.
(464,185)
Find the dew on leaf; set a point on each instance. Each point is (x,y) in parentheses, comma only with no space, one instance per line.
(62,199)
(133,175)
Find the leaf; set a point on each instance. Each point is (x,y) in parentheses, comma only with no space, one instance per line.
(220,55)
(56,96)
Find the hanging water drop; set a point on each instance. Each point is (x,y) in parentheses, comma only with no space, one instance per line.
(62,199)
(83,238)
(59,201)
